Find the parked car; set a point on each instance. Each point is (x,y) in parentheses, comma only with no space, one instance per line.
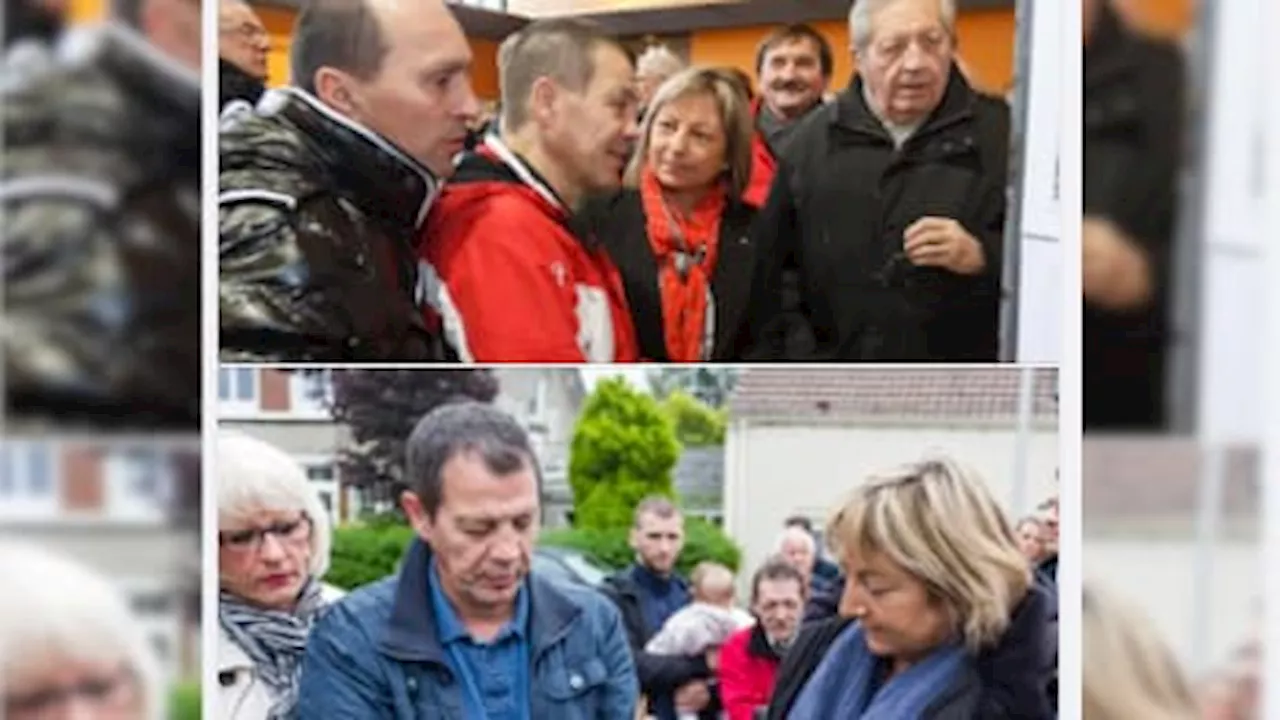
(569,566)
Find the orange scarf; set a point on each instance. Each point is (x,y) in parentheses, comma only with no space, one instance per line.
(671,236)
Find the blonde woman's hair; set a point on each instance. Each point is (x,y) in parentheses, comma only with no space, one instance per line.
(57,609)
(1128,672)
(735,115)
(254,475)
(939,523)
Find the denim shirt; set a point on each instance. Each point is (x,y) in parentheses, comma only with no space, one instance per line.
(379,654)
(494,674)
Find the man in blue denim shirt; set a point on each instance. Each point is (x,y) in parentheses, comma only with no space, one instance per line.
(463,630)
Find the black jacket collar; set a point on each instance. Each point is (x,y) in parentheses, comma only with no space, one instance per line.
(852,114)
(367,166)
(758,645)
(236,84)
(1109,53)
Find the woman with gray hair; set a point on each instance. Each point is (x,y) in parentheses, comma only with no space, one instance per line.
(69,644)
(273,549)
(940,617)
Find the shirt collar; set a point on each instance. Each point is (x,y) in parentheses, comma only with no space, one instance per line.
(449,626)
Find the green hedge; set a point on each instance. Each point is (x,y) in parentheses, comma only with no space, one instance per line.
(184,702)
(368,552)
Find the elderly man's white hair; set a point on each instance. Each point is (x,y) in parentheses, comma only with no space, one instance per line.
(863,12)
(796,533)
(54,608)
(659,61)
(254,475)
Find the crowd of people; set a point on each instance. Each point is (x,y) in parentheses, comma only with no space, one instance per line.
(613,211)
(933,611)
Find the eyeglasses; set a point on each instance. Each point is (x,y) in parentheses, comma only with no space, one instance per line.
(247,31)
(112,692)
(292,532)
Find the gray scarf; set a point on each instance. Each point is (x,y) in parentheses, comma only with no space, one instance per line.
(274,640)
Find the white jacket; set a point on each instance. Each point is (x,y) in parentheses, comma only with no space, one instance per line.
(241,693)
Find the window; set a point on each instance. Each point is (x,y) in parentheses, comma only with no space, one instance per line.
(28,480)
(323,475)
(138,484)
(238,390)
(311,393)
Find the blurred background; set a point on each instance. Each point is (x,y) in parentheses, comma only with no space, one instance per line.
(1172,454)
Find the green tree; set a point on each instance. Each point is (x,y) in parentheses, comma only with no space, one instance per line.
(623,450)
(711,385)
(695,424)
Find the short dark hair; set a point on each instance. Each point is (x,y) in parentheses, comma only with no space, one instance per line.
(341,34)
(799,521)
(657,506)
(560,48)
(463,427)
(791,33)
(775,569)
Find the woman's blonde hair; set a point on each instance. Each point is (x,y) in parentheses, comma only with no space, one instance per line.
(54,608)
(1128,672)
(937,520)
(254,475)
(735,115)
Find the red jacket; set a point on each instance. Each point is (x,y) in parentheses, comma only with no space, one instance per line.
(763,165)
(507,277)
(748,668)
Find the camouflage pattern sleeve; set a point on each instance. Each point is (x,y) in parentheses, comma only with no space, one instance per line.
(271,296)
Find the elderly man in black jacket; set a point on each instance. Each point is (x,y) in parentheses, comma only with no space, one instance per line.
(891,200)
(1133,120)
(324,187)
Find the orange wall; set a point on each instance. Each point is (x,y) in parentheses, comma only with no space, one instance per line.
(82,11)
(279,23)
(986,44)
(1167,17)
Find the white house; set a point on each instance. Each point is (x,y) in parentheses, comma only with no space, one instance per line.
(799,439)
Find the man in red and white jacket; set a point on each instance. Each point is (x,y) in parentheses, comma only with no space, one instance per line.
(750,658)
(794,65)
(509,272)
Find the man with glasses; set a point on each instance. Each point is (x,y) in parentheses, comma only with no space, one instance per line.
(242,53)
(891,200)
(463,629)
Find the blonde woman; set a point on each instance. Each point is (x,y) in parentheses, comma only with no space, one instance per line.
(941,616)
(1128,671)
(679,231)
(273,549)
(69,644)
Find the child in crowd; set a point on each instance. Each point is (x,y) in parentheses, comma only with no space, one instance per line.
(705,623)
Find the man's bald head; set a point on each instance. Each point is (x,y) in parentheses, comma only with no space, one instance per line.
(242,38)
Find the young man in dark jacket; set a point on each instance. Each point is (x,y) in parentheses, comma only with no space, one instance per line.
(324,187)
(891,200)
(649,592)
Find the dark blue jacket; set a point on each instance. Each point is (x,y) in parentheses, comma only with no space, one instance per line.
(376,655)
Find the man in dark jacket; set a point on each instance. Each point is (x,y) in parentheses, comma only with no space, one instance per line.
(1133,124)
(100,194)
(649,592)
(242,53)
(464,629)
(324,187)
(892,200)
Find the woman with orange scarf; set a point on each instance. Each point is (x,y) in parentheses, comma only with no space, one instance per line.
(680,233)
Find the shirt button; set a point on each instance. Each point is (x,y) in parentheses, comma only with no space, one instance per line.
(575,682)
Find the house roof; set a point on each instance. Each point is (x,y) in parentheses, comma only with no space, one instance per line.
(959,394)
(1161,477)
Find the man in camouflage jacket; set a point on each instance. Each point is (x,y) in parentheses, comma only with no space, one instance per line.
(324,185)
(100,193)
